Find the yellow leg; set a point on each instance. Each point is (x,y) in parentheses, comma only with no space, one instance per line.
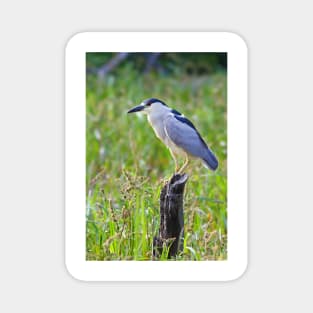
(175,160)
(176,165)
(185,165)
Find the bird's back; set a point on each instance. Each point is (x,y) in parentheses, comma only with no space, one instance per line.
(184,134)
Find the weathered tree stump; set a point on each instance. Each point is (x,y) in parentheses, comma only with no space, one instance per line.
(171,229)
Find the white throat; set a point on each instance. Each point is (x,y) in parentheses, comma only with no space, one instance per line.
(156,117)
(157,112)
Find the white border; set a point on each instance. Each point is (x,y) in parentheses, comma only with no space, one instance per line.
(75,72)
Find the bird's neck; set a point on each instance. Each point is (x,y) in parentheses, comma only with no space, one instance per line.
(156,120)
(157,115)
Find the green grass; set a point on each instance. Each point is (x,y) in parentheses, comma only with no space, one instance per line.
(126,166)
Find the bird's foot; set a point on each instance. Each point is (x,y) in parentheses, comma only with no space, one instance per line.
(178,173)
(181,171)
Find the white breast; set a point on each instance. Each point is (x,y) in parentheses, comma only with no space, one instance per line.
(157,123)
(158,127)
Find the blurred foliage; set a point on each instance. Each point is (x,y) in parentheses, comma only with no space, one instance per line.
(166,63)
(126,165)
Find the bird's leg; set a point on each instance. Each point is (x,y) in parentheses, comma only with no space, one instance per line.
(185,165)
(176,167)
(175,160)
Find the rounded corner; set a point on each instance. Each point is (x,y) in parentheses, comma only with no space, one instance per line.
(74,39)
(239,39)
(240,272)
(71,273)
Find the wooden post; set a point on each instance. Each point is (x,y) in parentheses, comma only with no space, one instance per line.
(172,217)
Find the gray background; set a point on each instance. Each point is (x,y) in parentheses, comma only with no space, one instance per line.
(32,273)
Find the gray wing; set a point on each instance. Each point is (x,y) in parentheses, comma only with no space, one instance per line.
(183,133)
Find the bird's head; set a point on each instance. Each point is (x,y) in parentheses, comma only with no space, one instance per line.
(149,106)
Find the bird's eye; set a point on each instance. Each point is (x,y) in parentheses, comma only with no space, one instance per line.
(148,104)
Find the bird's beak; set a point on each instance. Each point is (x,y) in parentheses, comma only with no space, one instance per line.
(136,109)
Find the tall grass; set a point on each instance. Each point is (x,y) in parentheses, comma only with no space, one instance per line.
(127,165)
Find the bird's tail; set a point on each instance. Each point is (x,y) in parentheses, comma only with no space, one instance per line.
(210,160)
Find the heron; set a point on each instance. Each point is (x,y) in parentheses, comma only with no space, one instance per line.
(177,132)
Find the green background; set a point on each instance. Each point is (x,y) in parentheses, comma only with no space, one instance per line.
(126,165)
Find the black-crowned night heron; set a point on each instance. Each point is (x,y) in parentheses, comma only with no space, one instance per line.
(177,133)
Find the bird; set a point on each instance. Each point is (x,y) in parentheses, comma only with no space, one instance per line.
(177,132)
